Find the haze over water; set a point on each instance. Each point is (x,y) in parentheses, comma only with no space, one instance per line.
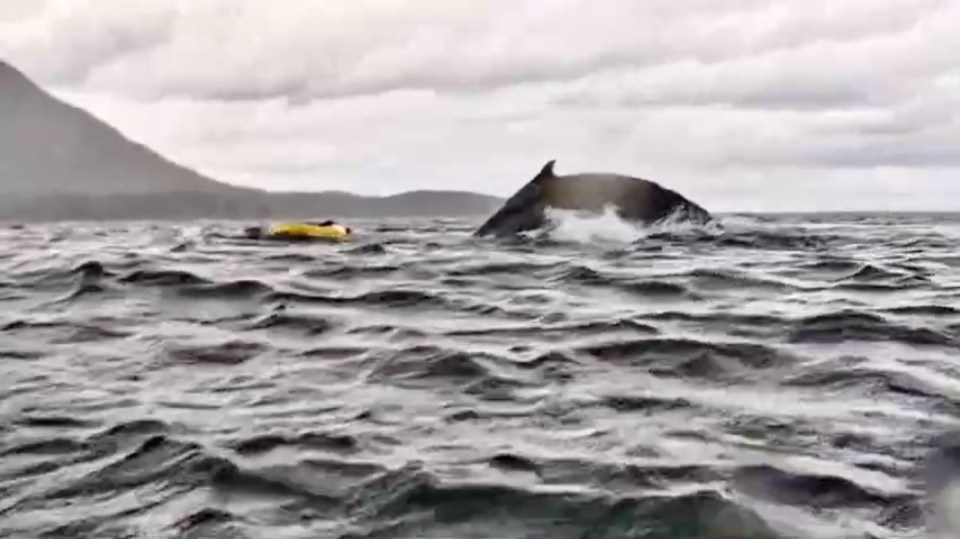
(786,376)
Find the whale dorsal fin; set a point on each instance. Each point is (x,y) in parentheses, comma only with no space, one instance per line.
(547,170)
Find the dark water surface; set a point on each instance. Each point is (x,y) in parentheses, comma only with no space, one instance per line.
(786,377)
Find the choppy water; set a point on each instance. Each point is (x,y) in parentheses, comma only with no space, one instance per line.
(785,377)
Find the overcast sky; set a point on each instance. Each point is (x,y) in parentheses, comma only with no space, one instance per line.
(739,104)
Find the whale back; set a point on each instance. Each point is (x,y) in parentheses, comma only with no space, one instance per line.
(593,192)
(633,199)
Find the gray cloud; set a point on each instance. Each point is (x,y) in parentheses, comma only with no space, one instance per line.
(62,43)
(382,95)
(246,49)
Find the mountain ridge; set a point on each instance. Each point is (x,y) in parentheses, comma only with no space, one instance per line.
(60,162)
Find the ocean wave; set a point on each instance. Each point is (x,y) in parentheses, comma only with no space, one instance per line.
(854,325)
(763,378)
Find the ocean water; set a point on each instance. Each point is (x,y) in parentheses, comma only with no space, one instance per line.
(783,376)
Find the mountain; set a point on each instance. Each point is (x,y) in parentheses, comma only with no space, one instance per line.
(58,162)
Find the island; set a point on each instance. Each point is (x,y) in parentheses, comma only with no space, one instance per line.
(59,162)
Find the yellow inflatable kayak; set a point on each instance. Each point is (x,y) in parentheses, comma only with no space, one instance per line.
(327,230)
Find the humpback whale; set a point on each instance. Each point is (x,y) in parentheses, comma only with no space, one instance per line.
(634,199)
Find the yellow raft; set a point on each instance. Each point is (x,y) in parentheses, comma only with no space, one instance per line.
(322,231)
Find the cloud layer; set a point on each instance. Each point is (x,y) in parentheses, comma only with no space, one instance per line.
(741,104)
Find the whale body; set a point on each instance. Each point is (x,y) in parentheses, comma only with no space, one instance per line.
(634,199)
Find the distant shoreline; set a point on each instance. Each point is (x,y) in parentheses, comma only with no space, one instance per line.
(61,163)
(188,205)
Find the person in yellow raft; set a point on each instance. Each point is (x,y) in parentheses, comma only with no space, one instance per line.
(324,231)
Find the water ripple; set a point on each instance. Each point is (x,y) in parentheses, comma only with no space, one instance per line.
(784,377)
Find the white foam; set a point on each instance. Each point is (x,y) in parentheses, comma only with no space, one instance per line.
(608,227)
